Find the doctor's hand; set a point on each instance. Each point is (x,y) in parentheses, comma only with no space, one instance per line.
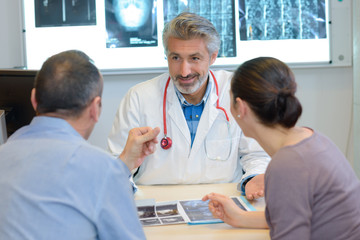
(255,187)
(224,208)
(140,143)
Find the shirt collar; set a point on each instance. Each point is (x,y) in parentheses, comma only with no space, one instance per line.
(204,99)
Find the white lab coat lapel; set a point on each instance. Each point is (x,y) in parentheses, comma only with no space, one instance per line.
(207,119)
(175,114)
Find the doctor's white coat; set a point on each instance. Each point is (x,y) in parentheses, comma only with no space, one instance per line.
(183,164)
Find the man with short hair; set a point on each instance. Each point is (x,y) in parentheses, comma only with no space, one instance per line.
(53,183)
(201,141)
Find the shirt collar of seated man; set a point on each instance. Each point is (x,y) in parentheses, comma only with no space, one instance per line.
(83,122)
(69,86)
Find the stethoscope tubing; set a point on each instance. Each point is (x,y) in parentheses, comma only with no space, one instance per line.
(166,142)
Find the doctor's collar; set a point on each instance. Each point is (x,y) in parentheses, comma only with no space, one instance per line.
(203,100)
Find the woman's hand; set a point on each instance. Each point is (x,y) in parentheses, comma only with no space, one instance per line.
(224,208)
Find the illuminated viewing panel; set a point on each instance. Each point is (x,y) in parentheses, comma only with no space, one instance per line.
(220,13)
(131,23)
(64,13)
(126,34)
(282,20)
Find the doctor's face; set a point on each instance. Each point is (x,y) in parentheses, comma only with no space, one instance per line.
(189,62)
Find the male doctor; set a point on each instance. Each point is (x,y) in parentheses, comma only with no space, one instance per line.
(201,142)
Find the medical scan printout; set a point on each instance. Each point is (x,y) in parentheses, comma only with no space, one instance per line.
(194,211)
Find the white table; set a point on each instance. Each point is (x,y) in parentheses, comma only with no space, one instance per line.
(220,231)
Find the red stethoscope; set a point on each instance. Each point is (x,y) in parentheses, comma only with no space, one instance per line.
(166,142)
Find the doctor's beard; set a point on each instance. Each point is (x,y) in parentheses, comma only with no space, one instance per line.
(192,87)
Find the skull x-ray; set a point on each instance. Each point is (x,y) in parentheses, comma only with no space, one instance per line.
(220,13)
(131,23)
(282,19)
(53,13)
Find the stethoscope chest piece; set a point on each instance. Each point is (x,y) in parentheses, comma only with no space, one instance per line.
(166,143)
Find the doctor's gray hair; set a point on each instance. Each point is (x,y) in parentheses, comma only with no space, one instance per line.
(187,26)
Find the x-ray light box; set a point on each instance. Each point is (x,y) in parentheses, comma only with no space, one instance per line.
(126,34)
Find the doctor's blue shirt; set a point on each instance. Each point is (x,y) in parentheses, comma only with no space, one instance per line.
(192,112)
(192,115)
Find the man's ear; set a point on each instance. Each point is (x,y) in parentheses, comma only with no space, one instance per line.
(95,108)
(213,57)
(33,99)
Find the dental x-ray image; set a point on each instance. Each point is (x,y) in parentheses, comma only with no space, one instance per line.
(57,13)
(131,23)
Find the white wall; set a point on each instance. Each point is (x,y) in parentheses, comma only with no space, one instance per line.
(326,93)
(10,34)
(356,91)
(326,96)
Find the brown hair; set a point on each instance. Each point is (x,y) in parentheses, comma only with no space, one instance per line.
(66,83)
(268,86)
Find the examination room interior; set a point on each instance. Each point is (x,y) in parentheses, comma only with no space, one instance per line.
(329,93)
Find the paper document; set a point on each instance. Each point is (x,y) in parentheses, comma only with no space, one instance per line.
(153,213)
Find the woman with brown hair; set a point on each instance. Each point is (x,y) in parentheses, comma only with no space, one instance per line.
(311,191)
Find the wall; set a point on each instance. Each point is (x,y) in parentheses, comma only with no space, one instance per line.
(325,92)
(11,46)
(356,91)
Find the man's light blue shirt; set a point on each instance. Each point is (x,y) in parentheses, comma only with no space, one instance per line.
(55,185)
